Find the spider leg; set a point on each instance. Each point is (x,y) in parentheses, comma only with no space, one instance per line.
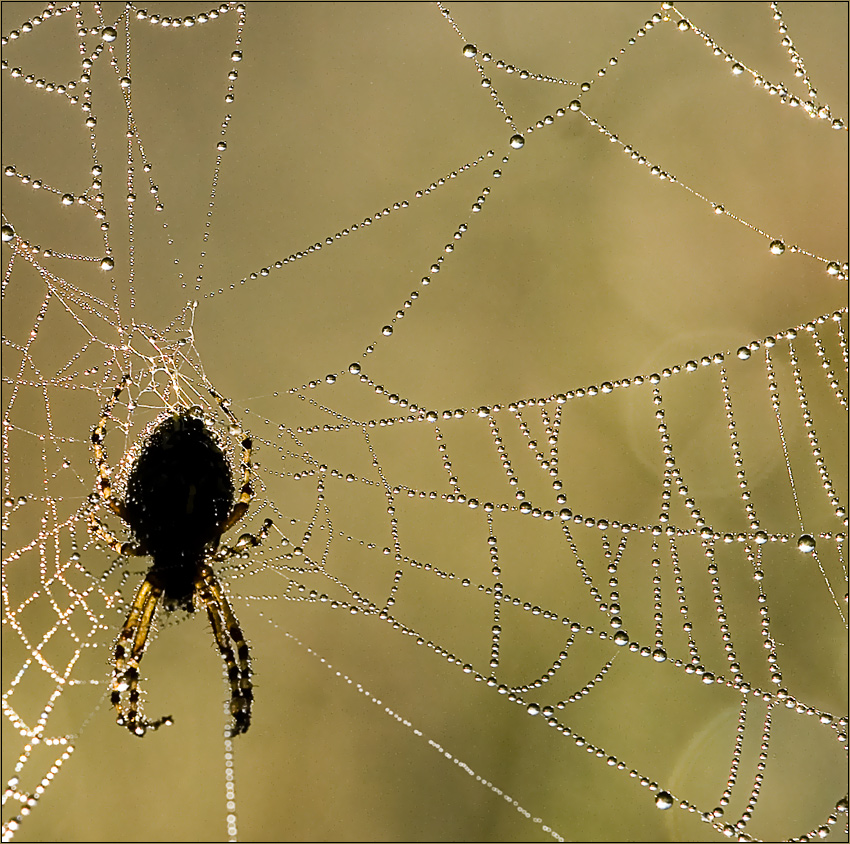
(245,541)
(100,531)
(246,493)
(226,629)
(125,673)
(98,438)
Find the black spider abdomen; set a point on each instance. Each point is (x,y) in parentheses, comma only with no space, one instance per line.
(179,493)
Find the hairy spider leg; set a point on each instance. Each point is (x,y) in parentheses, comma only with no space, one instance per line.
(223,622)
(125,674)
(134,634)
(246,493)
(226,629)
(100,531)
(245,540)
(98,438)
(104,485)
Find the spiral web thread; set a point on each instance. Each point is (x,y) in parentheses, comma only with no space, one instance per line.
(712,597)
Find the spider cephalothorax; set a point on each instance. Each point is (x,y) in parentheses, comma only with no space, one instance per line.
(179,501)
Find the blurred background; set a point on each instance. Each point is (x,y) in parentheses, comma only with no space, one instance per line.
(581,268)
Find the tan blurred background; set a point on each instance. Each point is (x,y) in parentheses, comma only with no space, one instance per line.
(580,269)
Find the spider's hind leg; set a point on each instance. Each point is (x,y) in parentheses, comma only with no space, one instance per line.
(226,630)
(129,650)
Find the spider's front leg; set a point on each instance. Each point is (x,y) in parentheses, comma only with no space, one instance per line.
(246,492)
(128,654)
(100,531)
(104,471)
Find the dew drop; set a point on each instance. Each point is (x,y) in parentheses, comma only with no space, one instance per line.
(737,69)
(663,800)
(517,141)
(659,655)
(236,56)
(107,264)
(743,353)
(221,146)
(575,105)
(621,638)
(354,368)
(108,33)
(777,247)
(387,330)
(67,199)
(833,268)
(470,51)
(533,709)
(806,543)
(7,233)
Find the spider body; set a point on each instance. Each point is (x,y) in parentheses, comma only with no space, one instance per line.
(179,494)
(179,501)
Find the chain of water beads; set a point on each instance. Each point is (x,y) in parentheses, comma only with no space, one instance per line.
(515,694)
(776,245)
(422,414)
(805,541)
(808,423)
(820,463)
(517,141)
(707,536)
(829,372)
(108,35)
(444,754)
(810,106)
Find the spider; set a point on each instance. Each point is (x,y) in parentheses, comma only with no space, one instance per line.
(178,503)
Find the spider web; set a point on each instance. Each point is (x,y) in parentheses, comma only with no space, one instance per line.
(544,429)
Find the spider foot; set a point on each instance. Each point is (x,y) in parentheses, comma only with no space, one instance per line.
(139,726)
(100,531)
(129,714)
(240,711)
(246,540)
